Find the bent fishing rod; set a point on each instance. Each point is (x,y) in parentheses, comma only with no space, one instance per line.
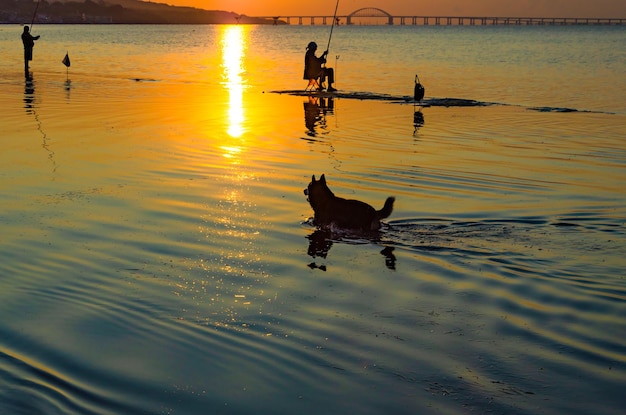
(34,15)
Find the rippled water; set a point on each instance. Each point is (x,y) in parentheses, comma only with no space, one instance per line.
(158,254)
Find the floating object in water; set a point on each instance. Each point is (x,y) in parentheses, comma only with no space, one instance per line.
(418,91)
(143,79)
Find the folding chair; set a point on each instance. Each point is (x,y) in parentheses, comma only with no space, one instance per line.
(315,84)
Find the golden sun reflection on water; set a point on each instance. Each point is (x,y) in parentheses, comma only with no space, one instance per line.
(233,50)
(232,153)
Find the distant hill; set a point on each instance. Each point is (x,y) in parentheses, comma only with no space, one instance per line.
(116,12)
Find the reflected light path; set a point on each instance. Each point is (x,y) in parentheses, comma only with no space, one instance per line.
(232,62)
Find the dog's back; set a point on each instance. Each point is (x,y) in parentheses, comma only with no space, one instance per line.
(344,213)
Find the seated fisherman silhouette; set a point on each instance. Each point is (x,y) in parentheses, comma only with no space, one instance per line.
(313,70)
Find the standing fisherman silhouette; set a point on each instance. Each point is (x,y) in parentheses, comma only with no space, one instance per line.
(313,67)
(29,43)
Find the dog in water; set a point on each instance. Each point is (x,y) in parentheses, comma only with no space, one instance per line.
(331,210)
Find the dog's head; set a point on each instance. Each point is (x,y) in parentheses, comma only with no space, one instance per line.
(317,191)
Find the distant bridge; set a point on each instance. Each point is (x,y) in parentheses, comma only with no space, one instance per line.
(379,15)
(369,12)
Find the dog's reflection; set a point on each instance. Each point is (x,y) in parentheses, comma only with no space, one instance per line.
(321,240)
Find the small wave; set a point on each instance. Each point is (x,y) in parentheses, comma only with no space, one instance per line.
(34,383)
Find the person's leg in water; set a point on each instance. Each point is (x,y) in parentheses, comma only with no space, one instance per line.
(28,55)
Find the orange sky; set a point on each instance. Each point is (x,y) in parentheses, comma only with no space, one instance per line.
(513,8)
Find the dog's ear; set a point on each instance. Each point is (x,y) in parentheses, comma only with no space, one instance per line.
(313,179)
(323,179)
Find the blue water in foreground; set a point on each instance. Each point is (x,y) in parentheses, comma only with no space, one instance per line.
(158,256)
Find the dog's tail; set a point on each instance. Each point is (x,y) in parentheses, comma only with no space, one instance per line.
(387,209)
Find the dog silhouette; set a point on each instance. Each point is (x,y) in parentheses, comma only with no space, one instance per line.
(333,211)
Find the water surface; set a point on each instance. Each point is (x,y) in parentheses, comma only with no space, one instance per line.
(158,254)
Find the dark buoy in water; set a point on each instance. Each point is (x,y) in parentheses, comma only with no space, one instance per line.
(418,96)
(418,92)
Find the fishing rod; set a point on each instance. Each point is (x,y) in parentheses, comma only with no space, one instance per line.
(34,14)
(332,26)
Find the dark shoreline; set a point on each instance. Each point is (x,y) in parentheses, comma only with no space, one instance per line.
(116,12)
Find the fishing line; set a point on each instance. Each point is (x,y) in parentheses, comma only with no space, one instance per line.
(30,106)
(336,66)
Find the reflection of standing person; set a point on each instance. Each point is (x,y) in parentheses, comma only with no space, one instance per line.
(29,96)
(313,67)
(29,43)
